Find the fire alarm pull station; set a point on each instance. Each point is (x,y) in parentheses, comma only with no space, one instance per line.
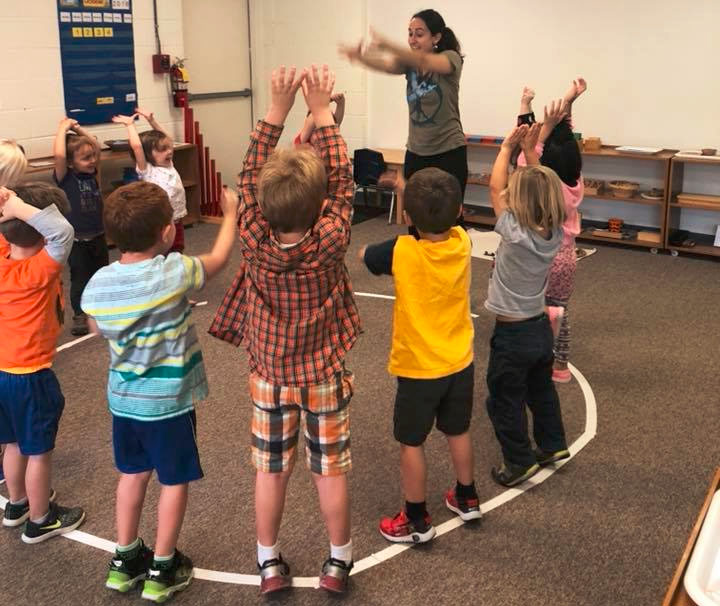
(161,64)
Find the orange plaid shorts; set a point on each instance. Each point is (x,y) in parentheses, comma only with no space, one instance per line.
(324,412)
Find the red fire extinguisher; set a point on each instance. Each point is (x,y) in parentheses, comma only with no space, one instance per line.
(179,80)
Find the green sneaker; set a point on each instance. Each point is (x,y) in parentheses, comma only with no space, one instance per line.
(165,578)
(126,569)
(544,457)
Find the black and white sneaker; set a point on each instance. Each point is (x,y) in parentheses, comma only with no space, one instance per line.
(60,520)
(15,515)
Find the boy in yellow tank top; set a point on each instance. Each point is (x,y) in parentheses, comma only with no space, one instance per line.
(432,347)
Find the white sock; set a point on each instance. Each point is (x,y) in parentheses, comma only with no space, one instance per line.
(343,552)
(267,553)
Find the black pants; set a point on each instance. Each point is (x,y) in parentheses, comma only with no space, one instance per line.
(519,374)
(453,162)
(86,257)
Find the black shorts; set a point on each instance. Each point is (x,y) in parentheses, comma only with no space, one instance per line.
(419,402)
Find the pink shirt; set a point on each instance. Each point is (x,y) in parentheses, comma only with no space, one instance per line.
(572,196)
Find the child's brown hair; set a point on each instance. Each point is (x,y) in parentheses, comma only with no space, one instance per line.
(150,140)
(534,195)
(40,195)
(74,143)
(135,216)
(432,200)
(292,186)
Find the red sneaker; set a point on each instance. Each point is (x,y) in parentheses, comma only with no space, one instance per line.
(334,575)
(467,509)
(274,575)
(401,530)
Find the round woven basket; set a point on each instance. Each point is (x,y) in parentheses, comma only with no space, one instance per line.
(623,189)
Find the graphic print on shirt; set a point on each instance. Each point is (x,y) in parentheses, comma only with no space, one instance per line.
(424,97)
(88,196)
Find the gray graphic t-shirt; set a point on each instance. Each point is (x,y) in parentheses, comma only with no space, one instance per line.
(434,109)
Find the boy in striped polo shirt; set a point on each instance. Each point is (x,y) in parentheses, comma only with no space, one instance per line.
(156,375)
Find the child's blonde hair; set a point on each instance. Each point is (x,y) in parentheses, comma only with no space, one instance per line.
(292,186)
(535,197)
(12,163)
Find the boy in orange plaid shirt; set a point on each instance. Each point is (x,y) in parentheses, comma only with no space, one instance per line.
(292,305)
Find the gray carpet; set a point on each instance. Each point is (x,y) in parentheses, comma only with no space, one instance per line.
(608,528)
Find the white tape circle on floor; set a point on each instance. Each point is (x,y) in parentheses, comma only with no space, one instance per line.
(394,549)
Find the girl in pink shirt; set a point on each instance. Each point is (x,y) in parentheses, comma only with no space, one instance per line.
(558,149)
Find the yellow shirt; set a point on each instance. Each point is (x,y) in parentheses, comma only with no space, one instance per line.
(432,328)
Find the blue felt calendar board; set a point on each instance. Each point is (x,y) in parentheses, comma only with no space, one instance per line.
(98,59)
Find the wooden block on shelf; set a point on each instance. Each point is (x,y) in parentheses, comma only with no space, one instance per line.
(649,236)
(691,199)
(606,233)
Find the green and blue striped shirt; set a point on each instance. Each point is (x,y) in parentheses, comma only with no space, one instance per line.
(156,366)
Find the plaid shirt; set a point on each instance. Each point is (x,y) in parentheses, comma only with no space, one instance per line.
(293,307)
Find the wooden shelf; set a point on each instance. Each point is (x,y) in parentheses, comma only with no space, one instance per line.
(697,160)
(609,151)
(697,205)
(585,235)
(633,200)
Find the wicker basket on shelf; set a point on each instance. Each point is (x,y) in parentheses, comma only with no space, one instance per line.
(623,189)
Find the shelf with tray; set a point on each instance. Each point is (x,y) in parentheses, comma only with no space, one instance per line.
(692,218)
(607,164)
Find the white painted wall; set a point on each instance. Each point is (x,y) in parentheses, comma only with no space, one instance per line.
(31,92)
(651,65)
(302,32)
(218,59)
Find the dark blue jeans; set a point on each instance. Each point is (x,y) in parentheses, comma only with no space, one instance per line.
(519,374)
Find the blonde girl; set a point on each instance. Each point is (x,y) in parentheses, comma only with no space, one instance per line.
(12,163)
(530,212)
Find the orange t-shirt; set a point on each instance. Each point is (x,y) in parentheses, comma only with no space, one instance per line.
(31,310)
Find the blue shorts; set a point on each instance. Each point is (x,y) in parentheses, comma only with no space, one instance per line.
(30,410)
(168,446)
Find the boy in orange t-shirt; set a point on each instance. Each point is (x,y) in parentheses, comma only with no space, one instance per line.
(35,241)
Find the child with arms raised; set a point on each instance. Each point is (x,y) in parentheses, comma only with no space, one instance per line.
(557,149)
(156,375)
(432,347)
(292,305)
(530,213)
(77,156)
(35,241)
(153,154)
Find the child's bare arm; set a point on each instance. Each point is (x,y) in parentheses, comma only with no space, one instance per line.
(83,132)
(529,145)
(339,99)
(526,98)
(56,230)
(150,117)
(499,175)
(553,117)
(283,87)
(133,139)
(577,88)
(60,147)
(216,259)
(307,129)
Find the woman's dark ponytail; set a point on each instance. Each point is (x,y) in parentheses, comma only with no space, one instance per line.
(436,24)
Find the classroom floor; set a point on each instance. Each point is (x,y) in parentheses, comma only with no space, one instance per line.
(607,528)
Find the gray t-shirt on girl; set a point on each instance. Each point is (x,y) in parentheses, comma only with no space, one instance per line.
(433,104)
(519,278)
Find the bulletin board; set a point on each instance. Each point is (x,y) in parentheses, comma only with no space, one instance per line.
(98,59)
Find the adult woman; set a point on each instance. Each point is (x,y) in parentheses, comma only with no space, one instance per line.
(432,66)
